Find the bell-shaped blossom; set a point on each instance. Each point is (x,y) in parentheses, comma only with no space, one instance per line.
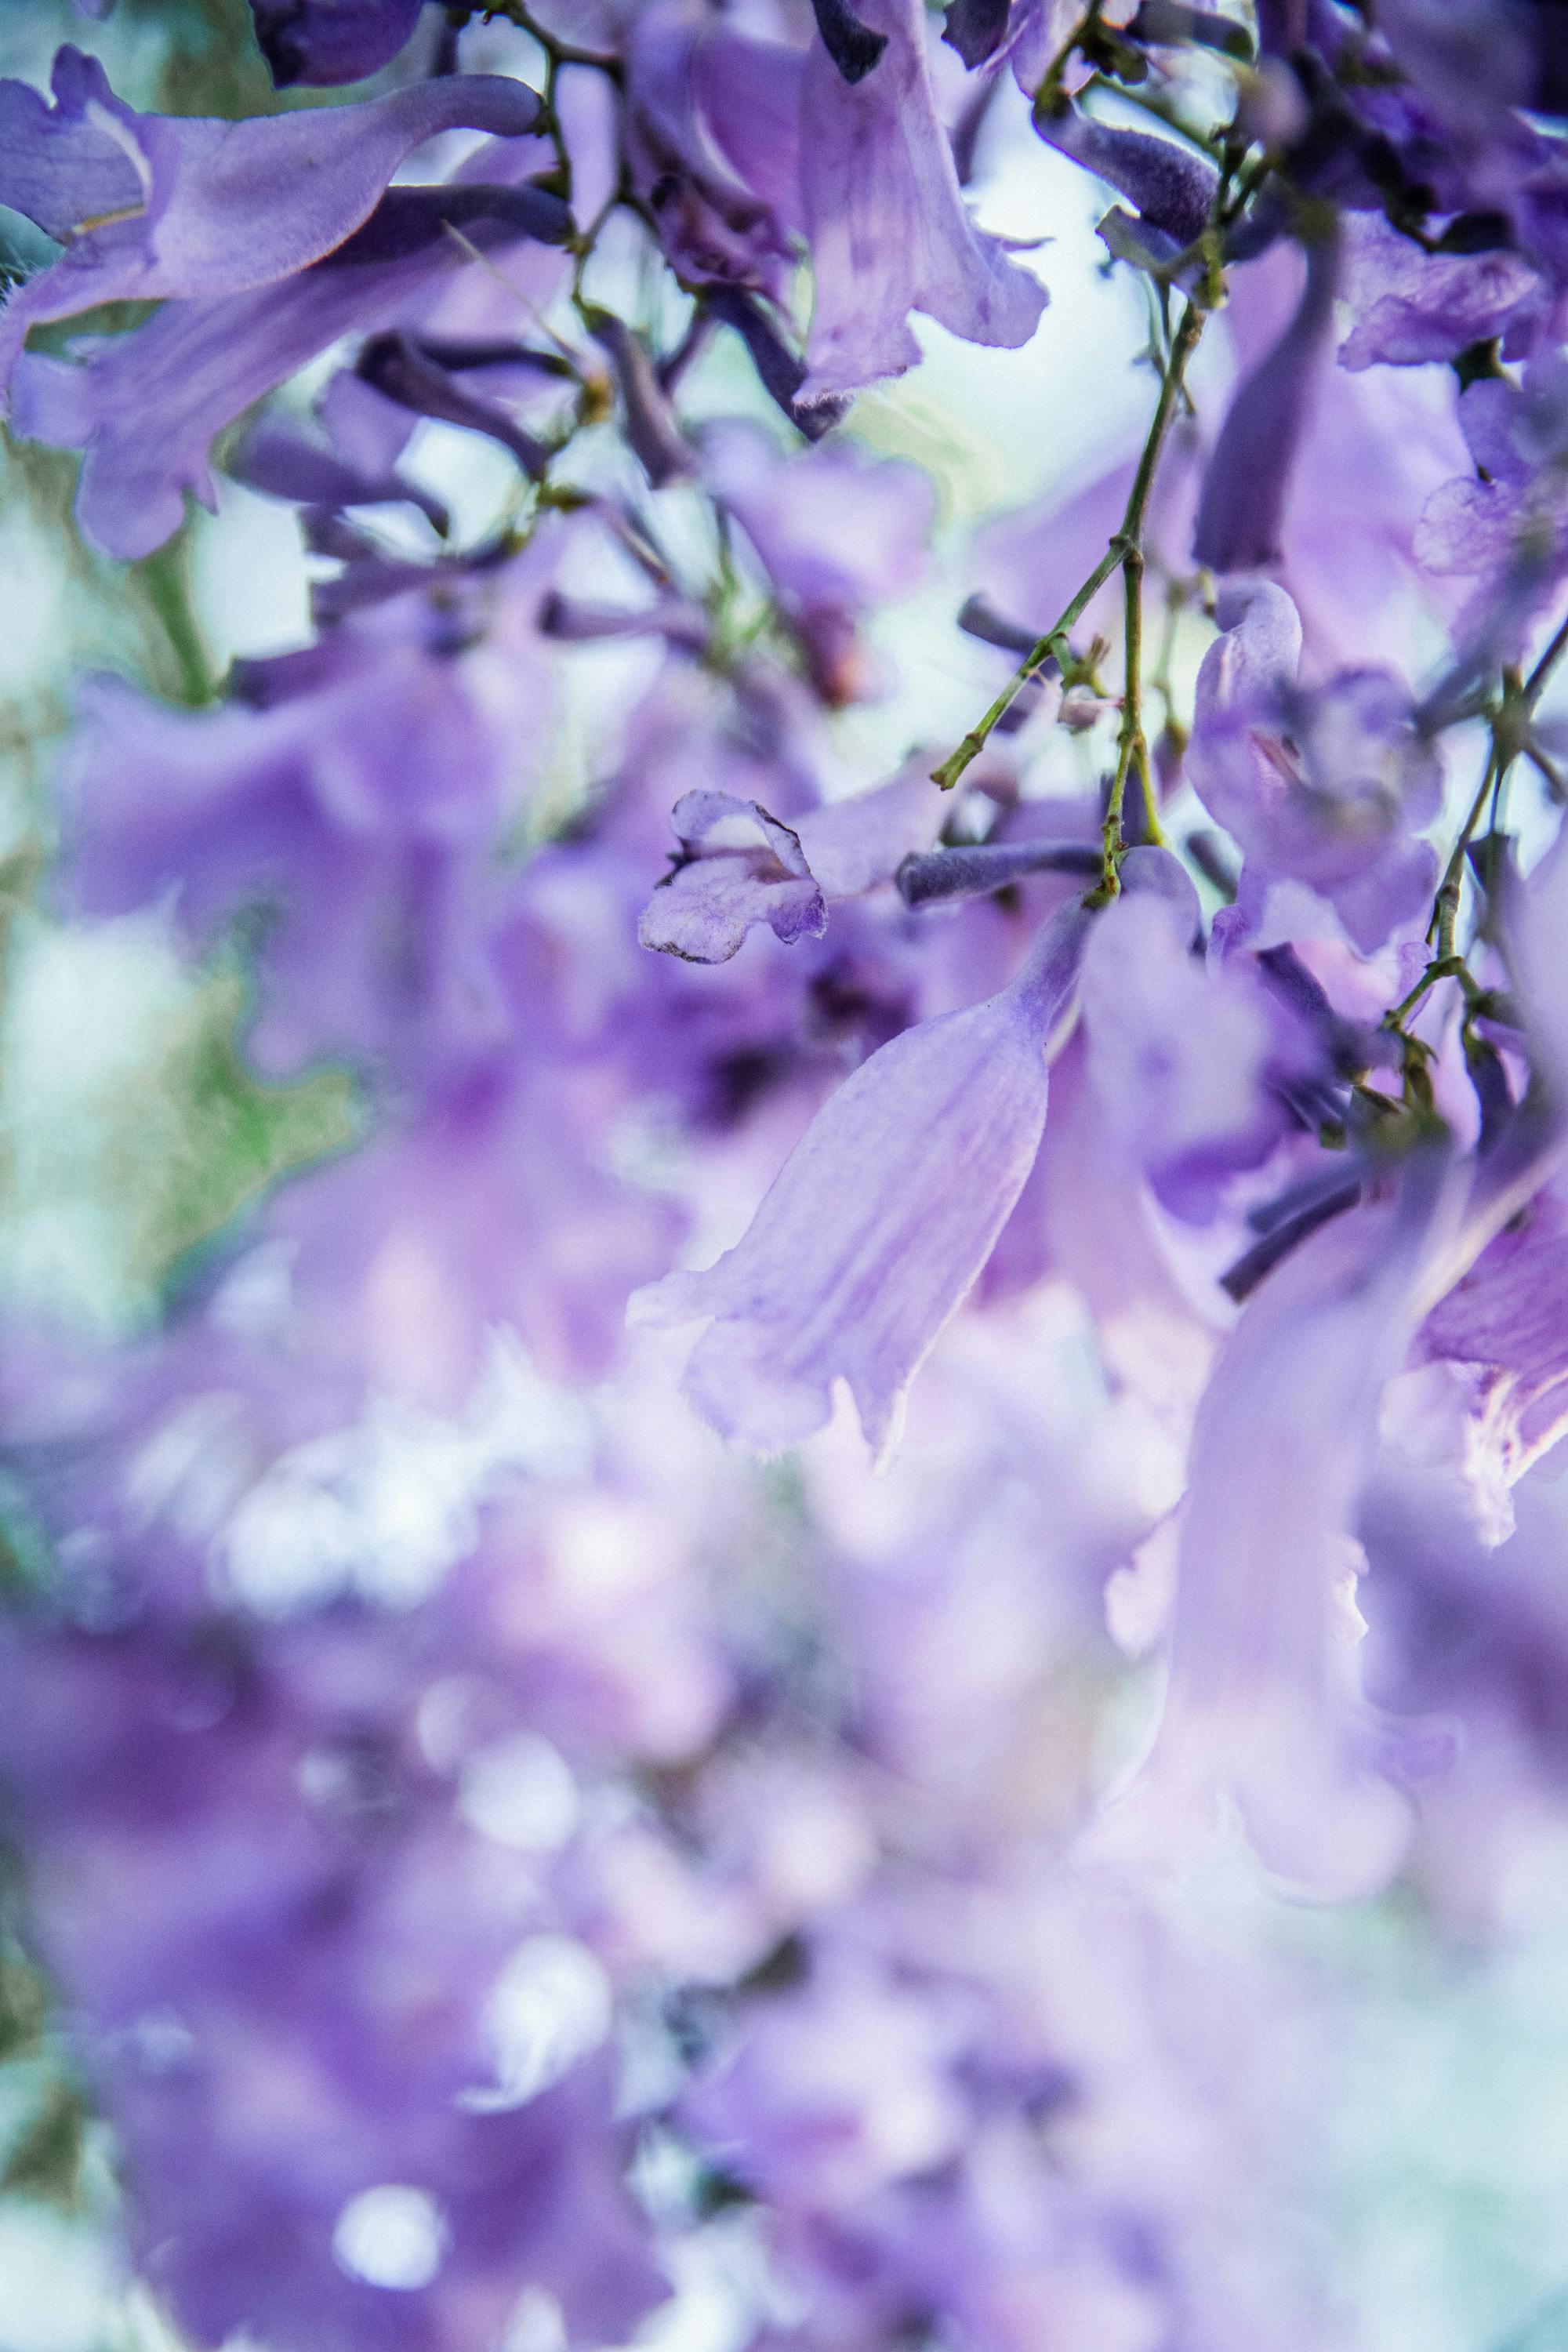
(326,41)
(1474,1633)
(1172,188)
(886,220)
(220,207)
(1506,526)
(712,144)
(1262,1700)
(1411,306)
(1374,445)
(1241,506)
(882,1219)
(145,407)
(1326,786)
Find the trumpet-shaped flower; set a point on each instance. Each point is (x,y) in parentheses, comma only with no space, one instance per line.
(882,1219)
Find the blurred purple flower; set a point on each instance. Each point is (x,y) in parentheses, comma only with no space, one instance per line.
(712,142)
(362,814)
(1181,1057)
(1324,785)
(1262,1701)
(145,407)
(301,2004)
(1506,527)
(327,41)
(1241,506)
(835,534)
(1411,306)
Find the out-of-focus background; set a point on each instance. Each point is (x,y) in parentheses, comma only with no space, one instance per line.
(130,1128)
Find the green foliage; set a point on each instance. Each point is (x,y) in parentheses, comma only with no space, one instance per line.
(175,57)
(81,612)
(23,2008)
(46,2160)
(198,1137)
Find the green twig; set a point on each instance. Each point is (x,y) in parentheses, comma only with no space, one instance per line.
(1056,645)
(1536,681)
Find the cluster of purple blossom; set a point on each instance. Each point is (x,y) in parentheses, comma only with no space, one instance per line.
(499,1856)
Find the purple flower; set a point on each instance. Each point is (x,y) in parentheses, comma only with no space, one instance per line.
(1479,57)
(835,535)
(146,406)
(1325,785)
(471,1904)
(840,2089)
(218,208)
(711,142)
(887,223)
(738,865)
(1374,447)
(360,815)
(1181,1057)
(326,41)
(1506,526)
(490,1206)
(304,2014)
(1262,1699)
(1241,506)
(1507,1319)
(881,1219)
(1411,306)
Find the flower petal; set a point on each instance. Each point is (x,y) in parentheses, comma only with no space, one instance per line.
(881,1219)
(740,867)
(887,222)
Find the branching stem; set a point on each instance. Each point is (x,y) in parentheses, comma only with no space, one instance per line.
(1124,553)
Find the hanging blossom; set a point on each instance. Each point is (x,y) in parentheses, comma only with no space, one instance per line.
(499,1865)
(1327,786)
(1262,1701)
(882,1219)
